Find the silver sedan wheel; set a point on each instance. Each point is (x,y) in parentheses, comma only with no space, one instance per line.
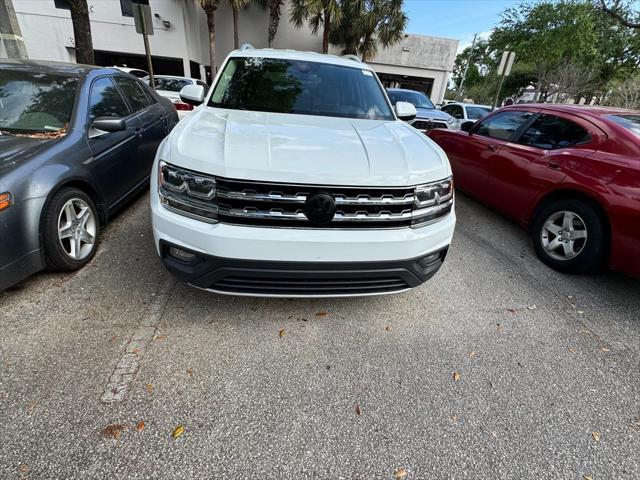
(77,229)
(564,235)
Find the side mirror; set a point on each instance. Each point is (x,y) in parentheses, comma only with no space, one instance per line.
(109,124)
(192,94)
(467,126)
(406,111)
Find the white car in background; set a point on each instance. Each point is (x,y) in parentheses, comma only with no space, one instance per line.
(169,86)
(136,72)
(466,112)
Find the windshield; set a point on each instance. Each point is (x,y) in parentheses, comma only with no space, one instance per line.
(36,103)
(300,87)
(418,99)
(630,122)
(171,84)
(474,113)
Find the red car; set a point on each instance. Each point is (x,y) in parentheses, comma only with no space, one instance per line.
(569,173)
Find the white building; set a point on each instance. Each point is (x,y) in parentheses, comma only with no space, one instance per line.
(180,44)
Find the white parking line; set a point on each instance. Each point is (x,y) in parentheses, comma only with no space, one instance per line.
(121,378)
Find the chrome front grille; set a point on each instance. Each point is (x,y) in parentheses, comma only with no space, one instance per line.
(428,124)
(286,205)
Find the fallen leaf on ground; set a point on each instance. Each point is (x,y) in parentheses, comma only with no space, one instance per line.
(190,371)
(32,406)
(388,328)
(595,436)
(357,409)
(456,376)
(150,387)
(572,349)
(136,351)
(580,312)
(472,354)
(114,338)
(454,418)
(498,327)
(179,430)
(24,468)
(400,473)
(321,314)
(159,337)
(512,310)
(587,477)
(114,431)
(281,333)
(140,426)
(603,349)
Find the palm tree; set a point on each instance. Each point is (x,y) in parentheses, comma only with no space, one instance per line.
(209,7)
(317,12)
(236,6)
(368,24)
(82,31)
(274,20)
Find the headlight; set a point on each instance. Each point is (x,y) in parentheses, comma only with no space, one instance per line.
(188,193)
(433,201)
(6,200)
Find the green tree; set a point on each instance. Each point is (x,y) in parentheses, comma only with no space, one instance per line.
(547,34)
(319,13)
(622,11)
(210,7)
(366,24)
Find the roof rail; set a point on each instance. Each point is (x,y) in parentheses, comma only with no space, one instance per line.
(351,56)
(246,46)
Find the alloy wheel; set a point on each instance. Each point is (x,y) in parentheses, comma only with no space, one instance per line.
(563,235)
(77,229)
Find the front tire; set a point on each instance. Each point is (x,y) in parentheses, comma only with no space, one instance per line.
(569,236)
(70,230)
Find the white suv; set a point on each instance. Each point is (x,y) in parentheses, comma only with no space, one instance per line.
(296,178)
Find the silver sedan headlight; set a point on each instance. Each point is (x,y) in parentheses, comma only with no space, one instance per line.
(187,193)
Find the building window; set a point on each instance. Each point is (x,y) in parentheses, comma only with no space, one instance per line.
(62,4)
(126,7)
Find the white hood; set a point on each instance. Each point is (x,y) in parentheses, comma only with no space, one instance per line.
(288,148)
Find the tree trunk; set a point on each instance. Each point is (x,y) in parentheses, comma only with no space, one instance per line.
(82,31)
(211,26)
(326,28)
(274,20)
(236,40)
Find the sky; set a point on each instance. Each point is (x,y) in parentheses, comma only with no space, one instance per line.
(458,19)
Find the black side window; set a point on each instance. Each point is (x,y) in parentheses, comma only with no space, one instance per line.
(106,100)
(126,6)
(134,93)
(62,4)
(503,125)
(550,133)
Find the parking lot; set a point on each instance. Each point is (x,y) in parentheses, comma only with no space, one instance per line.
(498,367)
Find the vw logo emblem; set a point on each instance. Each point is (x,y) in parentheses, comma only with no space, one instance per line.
(320,208)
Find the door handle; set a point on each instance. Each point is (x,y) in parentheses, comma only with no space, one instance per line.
(492,147)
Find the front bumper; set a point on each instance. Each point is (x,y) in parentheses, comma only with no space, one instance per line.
(301,279)
(20,254)
(293,262)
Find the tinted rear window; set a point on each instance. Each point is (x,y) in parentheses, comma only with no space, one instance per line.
(171,84)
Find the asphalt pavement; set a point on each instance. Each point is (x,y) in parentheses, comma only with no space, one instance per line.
(497,368)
